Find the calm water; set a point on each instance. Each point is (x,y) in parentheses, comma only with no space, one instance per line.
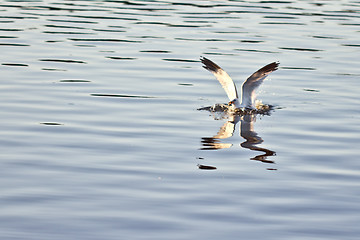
(101,137)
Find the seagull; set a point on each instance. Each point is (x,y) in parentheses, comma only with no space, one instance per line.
(248,94)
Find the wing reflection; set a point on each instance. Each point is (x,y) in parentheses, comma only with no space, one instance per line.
(227,130)
(252,139)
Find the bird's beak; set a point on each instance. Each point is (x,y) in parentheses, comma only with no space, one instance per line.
(231,103)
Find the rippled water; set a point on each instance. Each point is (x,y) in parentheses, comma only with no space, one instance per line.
(101,137)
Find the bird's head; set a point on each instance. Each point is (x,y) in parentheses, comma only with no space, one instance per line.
(233,102)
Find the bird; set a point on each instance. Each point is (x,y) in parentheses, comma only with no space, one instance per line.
(248,89)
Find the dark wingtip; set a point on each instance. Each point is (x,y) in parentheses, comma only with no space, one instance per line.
(204,60)
(209,65)
(277,63)
(270,67)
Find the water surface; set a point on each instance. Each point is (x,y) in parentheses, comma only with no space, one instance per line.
(101,137)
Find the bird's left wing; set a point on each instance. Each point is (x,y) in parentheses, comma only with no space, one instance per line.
(225,80)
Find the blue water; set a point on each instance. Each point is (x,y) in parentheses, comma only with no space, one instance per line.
(101,137)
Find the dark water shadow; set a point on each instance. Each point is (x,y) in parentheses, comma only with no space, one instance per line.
(52,123)
(102,40)
(121,58)
(62,61)
(74,81)
(301,49)
(179,60)
(15,64)
(247,132)
(119,95)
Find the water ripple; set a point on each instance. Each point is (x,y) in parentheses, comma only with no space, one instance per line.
(14,44)
(155,51)
(254,50)
(103,40)
(74,81)
(11,29)
(63,26)
(179,60)
(126,165)
(301,49)
(15,64)
(121,58)
(119,95)
(62,60)
(51,123)
(103,17)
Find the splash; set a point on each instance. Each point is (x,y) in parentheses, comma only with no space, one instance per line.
(261,108)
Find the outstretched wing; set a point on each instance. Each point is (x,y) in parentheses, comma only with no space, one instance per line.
(254,81)
(225,80)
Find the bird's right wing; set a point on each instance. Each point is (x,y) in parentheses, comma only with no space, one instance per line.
(258,77)
(225,80)
(253,82)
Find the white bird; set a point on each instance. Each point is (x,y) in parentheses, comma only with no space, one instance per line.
(248,94)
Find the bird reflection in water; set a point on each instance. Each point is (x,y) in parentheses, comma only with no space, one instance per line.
(252,139)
